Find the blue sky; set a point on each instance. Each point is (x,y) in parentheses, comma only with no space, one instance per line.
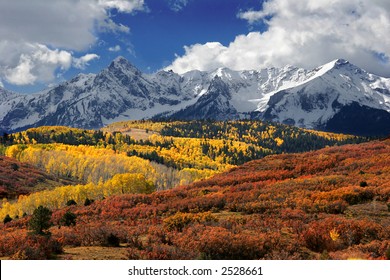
(43,43)
(160,33)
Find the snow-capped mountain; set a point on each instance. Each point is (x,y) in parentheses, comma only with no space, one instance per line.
(338,97)
(215,104)
(118,92)
(331,97)
(6,95)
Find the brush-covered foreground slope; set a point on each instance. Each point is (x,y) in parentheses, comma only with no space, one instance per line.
(328,204)
(17,178)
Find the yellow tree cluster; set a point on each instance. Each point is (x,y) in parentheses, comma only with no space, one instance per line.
(58,197)
(85,163)
(89,164)
(188,151)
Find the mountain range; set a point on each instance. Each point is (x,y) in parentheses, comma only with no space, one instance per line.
(337,96)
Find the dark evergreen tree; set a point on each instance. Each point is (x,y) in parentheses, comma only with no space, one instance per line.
(88,202)
(7,219)
(69,219)
(71,202)
(40,221)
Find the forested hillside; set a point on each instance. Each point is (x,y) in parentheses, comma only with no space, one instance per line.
(172,154)
(328,204)
(18,178)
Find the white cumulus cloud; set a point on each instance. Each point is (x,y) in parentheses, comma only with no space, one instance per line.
(21,74)
(31,62)
(83,61)
(37,38)
(251,16)
(303,33)
(200,57)
(123,5)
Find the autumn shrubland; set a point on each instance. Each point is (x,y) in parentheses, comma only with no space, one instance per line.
(184,194)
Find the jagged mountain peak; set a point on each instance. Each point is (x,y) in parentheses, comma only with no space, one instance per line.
(166,74)
(218,86)
(120,60)
(119,76)
(338,62)
(345,65)
(226,74)
(330,95)
(214,104)
(341,61)
(123,65)
(6,94)
(341,65)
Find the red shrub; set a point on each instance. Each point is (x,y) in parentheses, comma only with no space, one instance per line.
(220,244)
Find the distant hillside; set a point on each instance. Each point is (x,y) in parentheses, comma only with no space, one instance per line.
(329,204)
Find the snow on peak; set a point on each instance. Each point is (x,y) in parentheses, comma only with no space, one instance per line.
(6,95)
(327,67)
(82,79)
(342,65)
(120,59)
(123,65)
(340,61)
(226,74)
